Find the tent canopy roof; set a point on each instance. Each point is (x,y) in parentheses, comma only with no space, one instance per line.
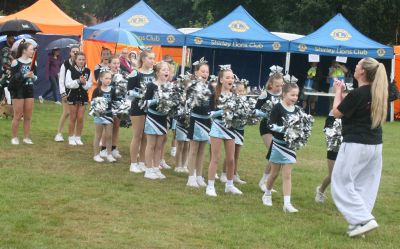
(338,37)
(49,18)
(237,30)
(142,20)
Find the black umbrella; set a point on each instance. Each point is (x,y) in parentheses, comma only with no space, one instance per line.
(18,27)
(61,43)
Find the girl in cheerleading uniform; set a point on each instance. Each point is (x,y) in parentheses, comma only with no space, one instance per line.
(21,89)
(273,94)
(78,80)
(198,133)
(137,81)
(281,157)
(104,63)
(219,134)
(104,123)
(156,123)
(64,92)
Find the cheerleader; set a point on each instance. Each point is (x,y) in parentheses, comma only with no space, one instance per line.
(137,81)
(78,80)
(104,63)
(104,123)
(273,94)
(219,134)
(156,123)
(281,157)
(64,92)
(240,89)
(199,129)
(21,89)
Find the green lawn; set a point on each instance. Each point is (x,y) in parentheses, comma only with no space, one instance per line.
(55,196)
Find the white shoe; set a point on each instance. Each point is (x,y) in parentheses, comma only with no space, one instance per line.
(103,153)
(115,153)
(173,151)
(192,182)
(267,200)
(164,165)
(223,178)
(319,196)
(288,208)
(210,191)
(15,141)
(185,169)
(59,138)
(27,141)
(232,189)
(142,166)
(57,103)
(158,173)
(98,158)
(71,141)
(363,228)
(135,168)
(216,176)
(178,169)
(150,174)
(78,141)
(236,178)
(41,99)
(111,159)
(263,187)
(200,181)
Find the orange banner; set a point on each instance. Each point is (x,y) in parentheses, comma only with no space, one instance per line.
(397,78)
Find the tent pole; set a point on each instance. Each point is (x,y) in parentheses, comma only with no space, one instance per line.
(391,80)
(213,61)
(259,74)
(287,63)
(183,65)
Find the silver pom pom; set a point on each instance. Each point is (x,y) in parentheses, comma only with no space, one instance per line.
(333,136)
(98,107)
(298,128)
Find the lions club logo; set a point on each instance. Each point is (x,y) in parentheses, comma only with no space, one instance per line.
(276,46)
(238,26)
(170,39)
(198,40)
(138,20)
(302,47)
(381,52)
(341,35)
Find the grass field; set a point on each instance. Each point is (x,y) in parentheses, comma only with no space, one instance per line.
(55,196)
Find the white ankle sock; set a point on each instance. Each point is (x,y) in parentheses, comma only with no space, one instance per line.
(229,183)
(268,192)
(211,183)
(286,199)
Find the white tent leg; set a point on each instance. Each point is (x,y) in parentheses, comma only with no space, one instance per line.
(259,74)
(183,65)
(391,80)
(287,63)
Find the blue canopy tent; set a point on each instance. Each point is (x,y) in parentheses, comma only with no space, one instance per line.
(238,39)
(144,22)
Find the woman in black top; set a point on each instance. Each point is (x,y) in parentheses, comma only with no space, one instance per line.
(21,88)
(357,171)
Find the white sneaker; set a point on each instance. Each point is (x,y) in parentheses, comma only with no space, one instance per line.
(223,178)
(164,165)
(363,228)
(319,196)
(216,176)
(57,103)
(178,169)
(103,153)
(15,141)
(78,141)
(263,187)
(236,178)
(142,166)
(135,168)
(59,138)
(150,174)
(111,159)
(185,169)
(210,191)
(232,189)
(71,141)
(173,151)
(41,99)
(98,158)
(288,208)
(27,141)
(115,153)
(192,182)
(267,200)
(200,181)
(158,173)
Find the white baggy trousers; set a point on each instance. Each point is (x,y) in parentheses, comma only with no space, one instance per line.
(355,180)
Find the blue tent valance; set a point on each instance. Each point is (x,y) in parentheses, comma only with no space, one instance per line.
(339,38)
(144,22)
(238,30)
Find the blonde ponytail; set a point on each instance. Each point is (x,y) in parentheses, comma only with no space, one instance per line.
(376,75)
